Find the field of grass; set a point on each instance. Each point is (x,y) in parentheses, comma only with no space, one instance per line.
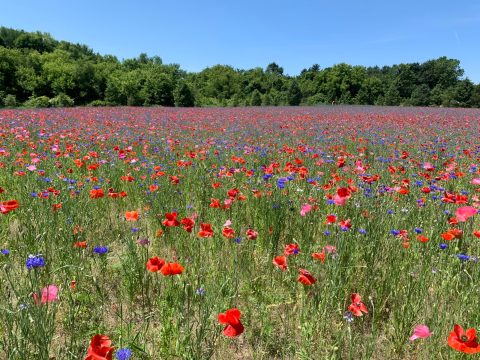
(145,224)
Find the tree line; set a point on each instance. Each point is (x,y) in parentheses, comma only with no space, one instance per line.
(38,71)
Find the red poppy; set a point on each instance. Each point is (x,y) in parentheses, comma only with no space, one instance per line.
(188,224)
(215,203)
(171,220)
(80,244)
(345,224)
(228,232)
(232,193)
(252,234)
(281,262)
(56,206)
(96,193)
(477,233)
(231,318)
(153,188)
(291,249)
(331,219)
(171,269)
(100,348)
(464,341)
(357,306)
(7,206)
(155,264)
(422,238)
(306,278)
(319,256)
(206,230)
(131,215)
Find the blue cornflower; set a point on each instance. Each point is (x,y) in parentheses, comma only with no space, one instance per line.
(200,291)
(418,230)
(123,354)
(35,261)
(395,232)
(348,316)
(326,232)
(281,183)
(362,231)
(134,229)
(463,257)
(5,251)
(390,212)
(100,250)
(443,246)
(330,202)
(238,240)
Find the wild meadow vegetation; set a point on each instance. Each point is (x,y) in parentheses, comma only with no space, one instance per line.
(247,233)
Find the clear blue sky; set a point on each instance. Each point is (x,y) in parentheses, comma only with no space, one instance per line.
(246,34)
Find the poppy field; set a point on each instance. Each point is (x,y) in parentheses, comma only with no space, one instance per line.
(241,233)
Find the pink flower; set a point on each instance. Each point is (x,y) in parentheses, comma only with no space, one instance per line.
(31,168)
(428,166)
(49,294)
(420,332)
(465,212)
(305,209)
(476,181)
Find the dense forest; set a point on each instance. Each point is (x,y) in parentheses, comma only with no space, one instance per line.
(39,71)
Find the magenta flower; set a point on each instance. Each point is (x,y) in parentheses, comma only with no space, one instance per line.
(465,212)
(420,332)
(49,294)
(305,209)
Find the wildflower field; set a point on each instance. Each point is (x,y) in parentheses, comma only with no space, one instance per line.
(241,233)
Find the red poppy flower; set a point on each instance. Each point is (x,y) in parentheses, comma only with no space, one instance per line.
(155,264)
(215,203)
(131,215)
(228,232)
(357,306)
(252,234)
(96,193)
(464,341)
(188,224)
(206,230)
(80,244)
(291,249)
(476,234)
(231,318)
(7,206)
(281,262)
(171,220)
(319,256)
(171,269)
(100,348)
(331,219)
(306,278)
(422,238)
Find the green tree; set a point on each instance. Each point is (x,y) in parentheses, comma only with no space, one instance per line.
(183,95)
(256,98)
(294,95)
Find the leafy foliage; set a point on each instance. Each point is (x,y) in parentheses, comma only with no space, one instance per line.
(33,64)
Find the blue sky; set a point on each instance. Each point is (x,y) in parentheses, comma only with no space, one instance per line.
(246,34)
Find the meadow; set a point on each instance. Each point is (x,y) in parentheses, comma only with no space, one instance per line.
(240,233)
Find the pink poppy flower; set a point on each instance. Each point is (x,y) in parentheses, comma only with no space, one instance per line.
(420,332)
(465,212)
